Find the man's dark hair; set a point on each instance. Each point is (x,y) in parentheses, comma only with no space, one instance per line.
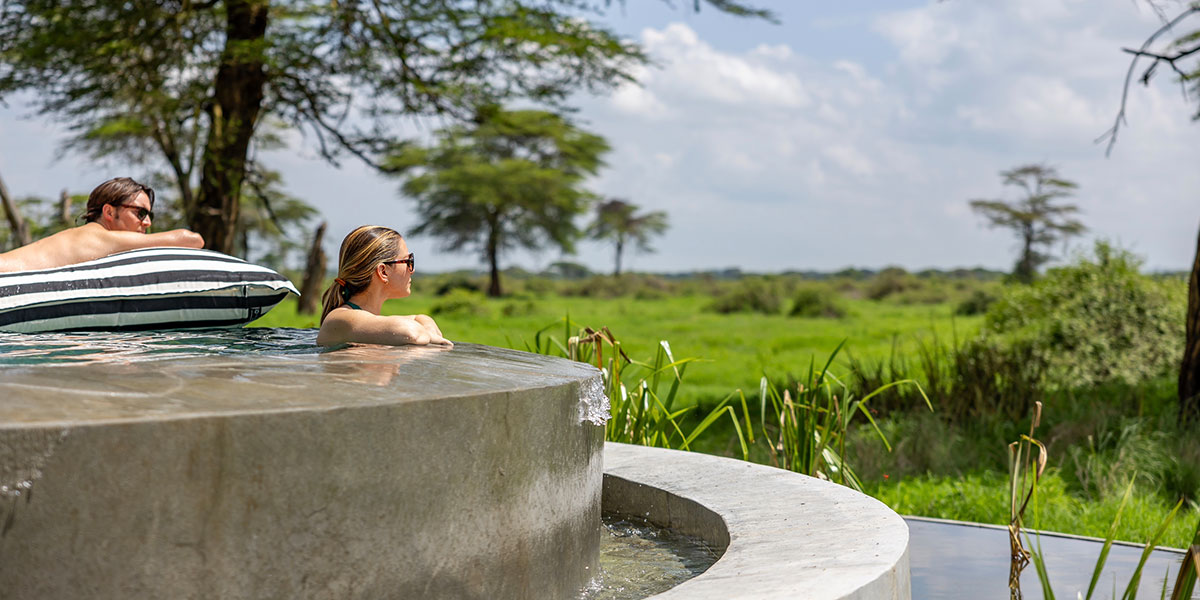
(116,191)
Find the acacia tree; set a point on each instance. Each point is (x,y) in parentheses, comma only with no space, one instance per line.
(508,179)
(616,220)
(1182,55)
(200,76)
(1037,218)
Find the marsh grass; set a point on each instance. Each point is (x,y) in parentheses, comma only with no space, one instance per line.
(807,433)
(1025,472)
(643,395)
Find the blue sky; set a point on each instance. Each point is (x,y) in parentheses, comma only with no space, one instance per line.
(851,134)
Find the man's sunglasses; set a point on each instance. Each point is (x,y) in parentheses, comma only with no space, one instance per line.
(410,260)
(142,213)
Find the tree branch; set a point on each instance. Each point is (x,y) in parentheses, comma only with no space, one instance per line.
(1111,134)
(1169,59)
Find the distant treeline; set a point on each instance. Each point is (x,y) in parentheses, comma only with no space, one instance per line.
(569,270)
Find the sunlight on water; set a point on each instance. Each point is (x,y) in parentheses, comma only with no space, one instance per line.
(639,560)
(90,347)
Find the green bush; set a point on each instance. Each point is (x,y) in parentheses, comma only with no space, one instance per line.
(519,307)
(977,303)
(1181,474)
(457,281)
(461,303)
(965,381)
(890,281)
(816,303)
(923,294)
(649,287)
(538,286)
(1096,320)
(751,295)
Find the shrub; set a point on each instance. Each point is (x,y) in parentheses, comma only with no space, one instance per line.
(977,378)
(1181,474)
(816,303)
(519,307)
(751,295)
(461,303)
(889,281)
(975,304)
(1096,320)
(923,294)
(538,286)
(457,282)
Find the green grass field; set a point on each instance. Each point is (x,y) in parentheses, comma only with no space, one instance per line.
(736,348)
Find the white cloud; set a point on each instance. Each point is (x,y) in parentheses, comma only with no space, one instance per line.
(694,67)
(891,148)
(636,100)
(849,159)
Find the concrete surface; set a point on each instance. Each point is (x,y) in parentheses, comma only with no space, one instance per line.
(368,472)
(785,535)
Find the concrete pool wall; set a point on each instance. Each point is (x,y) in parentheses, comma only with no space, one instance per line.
(396,473)
(384,473)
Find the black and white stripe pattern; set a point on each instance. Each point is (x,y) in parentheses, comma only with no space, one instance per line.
(151,288)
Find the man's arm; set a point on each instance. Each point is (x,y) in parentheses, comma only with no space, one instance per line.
(120,241)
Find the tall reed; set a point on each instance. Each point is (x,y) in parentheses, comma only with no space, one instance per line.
(644,395)
(1025,471)
(807,433)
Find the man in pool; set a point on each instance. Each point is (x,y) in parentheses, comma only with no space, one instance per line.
(119,211)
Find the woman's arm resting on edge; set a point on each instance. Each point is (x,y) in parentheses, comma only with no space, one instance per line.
(365,328)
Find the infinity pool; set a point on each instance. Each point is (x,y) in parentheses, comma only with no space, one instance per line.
(954,560)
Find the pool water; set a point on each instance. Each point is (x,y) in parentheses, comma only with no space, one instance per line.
(92,347)
(958,560)
(639,560)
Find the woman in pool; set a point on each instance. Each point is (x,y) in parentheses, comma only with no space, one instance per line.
(374,265)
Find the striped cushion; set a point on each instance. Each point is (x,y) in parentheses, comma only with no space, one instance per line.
(151,288)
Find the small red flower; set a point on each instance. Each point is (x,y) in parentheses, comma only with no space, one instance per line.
(885,476)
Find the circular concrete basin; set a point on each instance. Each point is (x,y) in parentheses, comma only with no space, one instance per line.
(367,472)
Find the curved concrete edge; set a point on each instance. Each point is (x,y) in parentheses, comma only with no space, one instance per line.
(785,535)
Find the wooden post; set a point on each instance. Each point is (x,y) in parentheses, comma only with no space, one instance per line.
(64,209)
(314,276)
(20,229)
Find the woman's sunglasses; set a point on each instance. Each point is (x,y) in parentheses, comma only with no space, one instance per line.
(410,260)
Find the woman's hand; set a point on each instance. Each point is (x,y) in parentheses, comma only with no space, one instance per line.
(431,328)
(435,334)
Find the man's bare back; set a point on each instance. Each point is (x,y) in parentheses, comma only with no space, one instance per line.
(119,213)
(89,242)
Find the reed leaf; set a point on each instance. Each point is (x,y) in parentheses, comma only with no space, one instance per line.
(1185,581)
(1131,589)
(1039,567)
(1108,540)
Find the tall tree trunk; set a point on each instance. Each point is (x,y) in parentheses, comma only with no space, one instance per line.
(19,227)
(1189,371)
(1025,268)
(314,275)
(64,209)
(620,247)
(493,248)
(237,102)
